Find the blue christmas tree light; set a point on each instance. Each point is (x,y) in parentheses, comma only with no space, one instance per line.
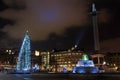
(24,58)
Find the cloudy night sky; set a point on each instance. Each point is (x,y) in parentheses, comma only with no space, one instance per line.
(59,24)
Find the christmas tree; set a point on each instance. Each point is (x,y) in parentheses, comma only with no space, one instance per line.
(24,58)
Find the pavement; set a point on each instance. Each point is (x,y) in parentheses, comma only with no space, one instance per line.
(60,76)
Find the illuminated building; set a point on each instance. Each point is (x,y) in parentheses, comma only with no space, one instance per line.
(56,61)
(37,53)
(9,51)
(42,59)
(45,60)
(64,59)
(7,57)
(24,58)
(35,58)
(113,60)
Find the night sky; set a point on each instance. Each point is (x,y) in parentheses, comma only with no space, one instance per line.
(59,24)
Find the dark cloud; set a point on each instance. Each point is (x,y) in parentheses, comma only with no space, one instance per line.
(74,35)
(104,16)
(15,4)
(50,23)
(3,6)
(109,30)
(42,17)
(4,22)
(111,45)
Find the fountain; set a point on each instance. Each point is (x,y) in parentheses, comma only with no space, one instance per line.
(85,66)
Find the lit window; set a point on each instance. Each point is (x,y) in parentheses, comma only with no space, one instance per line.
(9,50)
(6,50)
(37,53)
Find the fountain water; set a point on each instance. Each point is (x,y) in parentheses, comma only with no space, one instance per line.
(85,66)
